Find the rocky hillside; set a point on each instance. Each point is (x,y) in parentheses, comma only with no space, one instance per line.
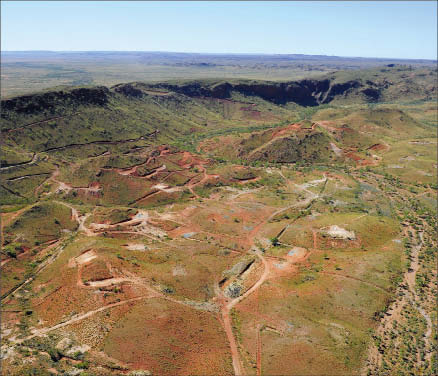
(68,117)
(394,83)
(385,84)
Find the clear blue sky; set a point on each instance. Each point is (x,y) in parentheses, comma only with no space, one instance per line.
(368,29)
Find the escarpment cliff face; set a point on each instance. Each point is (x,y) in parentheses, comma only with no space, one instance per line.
(367,86)
(304,92)
(128,90)
(385,84)
(157,105)
(308,92)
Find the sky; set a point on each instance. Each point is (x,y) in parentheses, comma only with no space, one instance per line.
(358,28)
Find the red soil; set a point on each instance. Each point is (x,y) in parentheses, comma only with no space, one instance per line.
(285,130)
(353,156)
(377,147)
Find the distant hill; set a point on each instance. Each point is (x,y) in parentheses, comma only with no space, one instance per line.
(157,57)
(30,71)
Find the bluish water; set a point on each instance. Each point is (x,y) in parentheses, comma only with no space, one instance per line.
(188,235)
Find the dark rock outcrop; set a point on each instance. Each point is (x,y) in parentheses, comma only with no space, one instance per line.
(372,94)
(309,92)
(46,102)
(128,90)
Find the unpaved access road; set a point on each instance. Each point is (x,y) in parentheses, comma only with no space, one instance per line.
(33,160)
(226,319)
(228,305)
(413,297)
(42,331)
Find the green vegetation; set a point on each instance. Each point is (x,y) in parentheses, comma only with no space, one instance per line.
(40,224)
(130,215)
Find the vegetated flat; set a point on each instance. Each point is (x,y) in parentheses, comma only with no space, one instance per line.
(222,227)
(31,71)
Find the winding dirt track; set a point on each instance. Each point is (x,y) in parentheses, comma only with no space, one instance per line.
(38,122)
(225,305)
(228,305)
(42,331)
(79,219)
(235,356)
(33,160)
(413,298)
(226,320)
(51,259)
(129,278)
(42,266)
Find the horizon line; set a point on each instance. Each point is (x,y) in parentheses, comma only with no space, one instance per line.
(228,53)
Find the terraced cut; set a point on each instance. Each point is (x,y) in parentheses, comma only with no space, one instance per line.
(203,228)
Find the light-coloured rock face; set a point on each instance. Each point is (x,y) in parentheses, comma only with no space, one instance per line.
(136,247)
(83,349)
(296,252)
(140,373)
(336,149)
(82,259)
(7,352)
(64,344)
(166,188)
(74,372)
(340,233)
(236,269)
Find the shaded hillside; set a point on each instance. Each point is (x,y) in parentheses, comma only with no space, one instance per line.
(141,113)
(72,117)
(49,101)
(395,83)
